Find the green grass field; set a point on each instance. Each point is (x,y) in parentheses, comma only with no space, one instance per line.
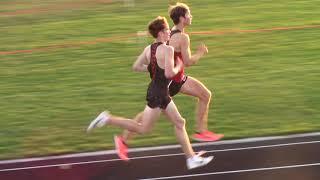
(61,63)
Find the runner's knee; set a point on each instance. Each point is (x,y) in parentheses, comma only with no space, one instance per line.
(143,130)
(138,117)
(181,123)
(206,96)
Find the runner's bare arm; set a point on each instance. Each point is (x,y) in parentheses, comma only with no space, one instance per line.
(186,52)
(141,64)
(170,69)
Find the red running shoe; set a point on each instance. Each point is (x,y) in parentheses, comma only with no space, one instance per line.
(207,136)
(121,148)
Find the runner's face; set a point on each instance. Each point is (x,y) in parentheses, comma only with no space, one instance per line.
(188,18)
(166,32)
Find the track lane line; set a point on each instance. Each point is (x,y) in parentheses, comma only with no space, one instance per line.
(235,171)
(156,156)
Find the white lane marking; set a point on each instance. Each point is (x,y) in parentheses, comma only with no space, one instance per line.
(99,153)
(157,156)
(235,171)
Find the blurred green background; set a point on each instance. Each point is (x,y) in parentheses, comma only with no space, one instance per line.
(64,61)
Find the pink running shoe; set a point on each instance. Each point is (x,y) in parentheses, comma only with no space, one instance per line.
(207,136)
(121,148)
(214,135)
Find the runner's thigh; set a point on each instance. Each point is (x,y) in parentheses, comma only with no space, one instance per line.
(149,117)
(193,87)
(173,114)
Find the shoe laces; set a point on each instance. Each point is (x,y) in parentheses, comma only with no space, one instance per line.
(198,157)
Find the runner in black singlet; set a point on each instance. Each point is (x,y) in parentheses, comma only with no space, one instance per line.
(157,95)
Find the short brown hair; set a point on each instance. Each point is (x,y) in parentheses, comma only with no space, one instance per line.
(178,10)
(157,25)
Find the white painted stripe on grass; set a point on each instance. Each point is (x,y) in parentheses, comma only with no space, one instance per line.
(143,149)
(235,171)
(156,156)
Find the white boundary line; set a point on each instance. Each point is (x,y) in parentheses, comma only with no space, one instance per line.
(156,156)
(235,171)
(99,153)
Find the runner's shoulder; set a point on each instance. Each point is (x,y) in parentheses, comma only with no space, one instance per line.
(184,37)
(169,48)
(181,34)
(147,49)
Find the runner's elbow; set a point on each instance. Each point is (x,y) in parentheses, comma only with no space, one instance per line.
(188,63)
(135,68)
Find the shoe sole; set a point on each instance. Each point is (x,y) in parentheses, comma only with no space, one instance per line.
(202,140)
(96,121)
(93,124)
(117,149)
